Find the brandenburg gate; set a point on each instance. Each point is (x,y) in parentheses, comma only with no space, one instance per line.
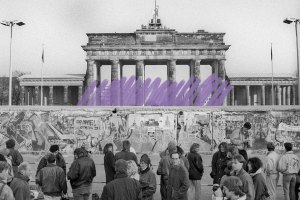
(154,44)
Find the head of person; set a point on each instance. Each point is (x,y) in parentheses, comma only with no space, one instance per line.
(3,168)
(237,162)
(25,169)
(223,147)
(145,162)
(54,149)
(270,146)
(51,159)
(79,152)
(232,151)
(175,159)
(121,166)
(195,148)
(6,153)
(132,168)
(10,144)
(228,170)
(108,148)
(288,146)
(246,126)
(126,145)
(180,151)
(254,164)
(172,147)
(232,188)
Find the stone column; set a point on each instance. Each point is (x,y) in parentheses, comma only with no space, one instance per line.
(139,74)
(22,95)
(221,73)
(89,72)
(248,95)
(95,74)
(36,95)
(195,72)
(115,88)
(215,71)
(278,95)
(79,92)
(232,96)
(66,95)
(288,101)
(284,95)
(171,70)
(263,95)
(51,95)
(294,94)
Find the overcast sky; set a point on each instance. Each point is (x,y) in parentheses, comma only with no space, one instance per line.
(250,26)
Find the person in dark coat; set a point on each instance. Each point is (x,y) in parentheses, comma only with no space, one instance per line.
(59,159)
(20,183)
(109,162)
(219,163)
(17,158)
(125,154)
(81,175)
(52,179)
(195,172)
(122,187)
(178,179)
(147,178)
(255,171)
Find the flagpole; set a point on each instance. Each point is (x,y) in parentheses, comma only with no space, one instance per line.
(272,76)
(42,77)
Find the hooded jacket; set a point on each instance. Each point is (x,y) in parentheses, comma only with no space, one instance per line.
(20,187)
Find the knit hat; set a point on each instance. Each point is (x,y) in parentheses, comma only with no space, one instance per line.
(121,166)
(172,147)
(54,148)
(145,158)
(10,143)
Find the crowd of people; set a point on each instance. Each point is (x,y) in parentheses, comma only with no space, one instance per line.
(235,176)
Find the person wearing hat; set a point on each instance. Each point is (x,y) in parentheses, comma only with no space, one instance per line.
(147,178)
(171,145)
(272,174)
(59,159)
(81,174)
(122,187)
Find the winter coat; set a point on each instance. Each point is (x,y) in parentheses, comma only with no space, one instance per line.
(52,179)
(17,159)
(126,155)
(122,188)
(59,159)
(148,184)
(6,193)
(289,163)
(109,166)
(247,181)
(218,165)
(260,186)
(164,168)
(196,167)
(20,187)
(82,172)
(179,182)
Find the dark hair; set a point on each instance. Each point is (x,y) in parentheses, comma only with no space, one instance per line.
(10,144)
(126,145)
(239,158)
(233,150)
(51,158)
(228,168)
(54,148)
(255,163)
(194,147)
(179,150)
(234,184)
(270,146)
(288,146)
(247,125)
(223,144)
(105,149)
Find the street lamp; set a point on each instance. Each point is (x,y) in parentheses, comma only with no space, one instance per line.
(11,24)
(288,21)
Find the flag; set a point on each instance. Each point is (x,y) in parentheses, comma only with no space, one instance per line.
(271,52)
(43,56)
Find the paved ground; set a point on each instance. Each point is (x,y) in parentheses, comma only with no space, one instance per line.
(99,181)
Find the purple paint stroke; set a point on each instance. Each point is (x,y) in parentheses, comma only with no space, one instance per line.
(132,91)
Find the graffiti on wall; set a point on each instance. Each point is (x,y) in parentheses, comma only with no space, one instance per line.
(147,131)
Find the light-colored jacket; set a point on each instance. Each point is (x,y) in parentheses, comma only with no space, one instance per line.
(272,163)
(289,163)
(6,193)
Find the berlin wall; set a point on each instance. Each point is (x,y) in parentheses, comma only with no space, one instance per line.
(149,129)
